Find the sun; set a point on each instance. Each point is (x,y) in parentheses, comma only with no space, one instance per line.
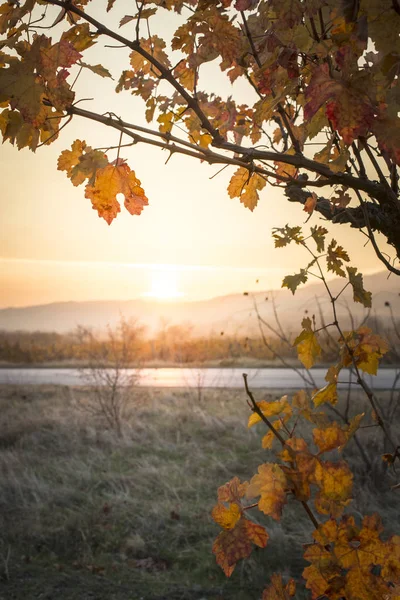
(164,285)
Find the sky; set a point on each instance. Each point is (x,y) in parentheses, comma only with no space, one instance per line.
(192,241)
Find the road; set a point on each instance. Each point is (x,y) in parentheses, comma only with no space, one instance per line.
(207,378)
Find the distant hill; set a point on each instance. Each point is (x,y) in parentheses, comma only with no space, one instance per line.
(228,313)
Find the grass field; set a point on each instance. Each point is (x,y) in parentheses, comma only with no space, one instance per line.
(85,514)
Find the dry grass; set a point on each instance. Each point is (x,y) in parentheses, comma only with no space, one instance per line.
(85,514)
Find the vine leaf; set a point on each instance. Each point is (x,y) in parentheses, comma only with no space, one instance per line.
(335,257)
(271,409)
(270,483)
(292,282)
(308,347)
(359,293)
(285,235)
(352,562)
(81,162)
(310,203)
(232,491)
(318,234)
(334,435)
(326,394)
(335,481)
(330,437)
(237,543)
(226,517)
(110,181)
(365,348)
(246,187)
(97,69)
(277,590)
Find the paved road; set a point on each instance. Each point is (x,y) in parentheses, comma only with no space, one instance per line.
(214,378)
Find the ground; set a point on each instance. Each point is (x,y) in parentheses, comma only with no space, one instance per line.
(88,514)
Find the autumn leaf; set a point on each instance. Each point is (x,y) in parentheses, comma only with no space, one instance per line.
(226,517)
(302,463)
(110,181)
(341,199)
(330,437)
(277,590)
(155,46)
(166,122)
(271,409)
(336,255)
(359,293)
(269,438)
(80,37)
(318,234)
(350,561)
(335,481)
(97,69)
(286,170)
(326,394)
(348,108)
(245,185)
(285,235)
(270,484)
(292,282)
(81,162)
(310,203)
(308,347)
(234,544)
(365,348)
(232,491)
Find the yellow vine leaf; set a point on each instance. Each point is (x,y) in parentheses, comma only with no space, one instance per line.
(81,162)
(226,517)
(335,436)
(308,348)
(277,590)
(326,394)
(354,425)
(80,37)
(335,481)
(232,491)
(269,438)
(246,185)
(166,122)
(300,473)
(284,169)
(113,180)
(353,562)
(330,437)
(234,544)
(270,409)
(270,483)
(366,347)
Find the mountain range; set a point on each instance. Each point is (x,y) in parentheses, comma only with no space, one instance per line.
(231,313)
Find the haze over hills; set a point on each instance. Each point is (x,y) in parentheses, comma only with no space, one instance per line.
(231,313)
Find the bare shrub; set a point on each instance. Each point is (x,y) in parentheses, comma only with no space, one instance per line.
(109,372)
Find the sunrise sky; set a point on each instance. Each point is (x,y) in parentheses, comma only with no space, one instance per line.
(191,242)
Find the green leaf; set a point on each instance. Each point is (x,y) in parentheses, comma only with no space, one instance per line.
(318,234)
(292,282)
(98,69)
(285,235)
(335,257)
(359,293)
